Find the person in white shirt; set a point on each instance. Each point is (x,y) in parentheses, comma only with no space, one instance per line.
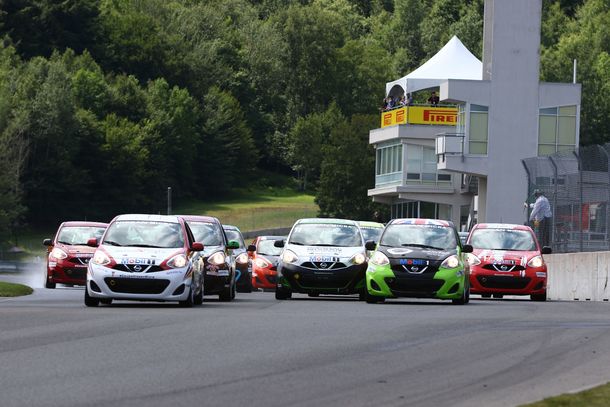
(541,217)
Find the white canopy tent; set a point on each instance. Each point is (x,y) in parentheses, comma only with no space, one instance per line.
(453,61)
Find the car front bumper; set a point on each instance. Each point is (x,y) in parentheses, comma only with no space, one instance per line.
(346,280)
(523,282)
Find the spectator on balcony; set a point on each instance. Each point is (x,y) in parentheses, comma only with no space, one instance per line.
(433,99)
(402,101)
(409,99)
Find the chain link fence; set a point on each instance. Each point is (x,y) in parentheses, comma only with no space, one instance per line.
(577,185)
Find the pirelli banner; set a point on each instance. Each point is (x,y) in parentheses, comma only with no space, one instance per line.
(444,116)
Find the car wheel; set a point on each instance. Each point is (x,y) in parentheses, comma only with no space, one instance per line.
(47,283)
(233,291)
(485,295)
(362,294)
(190,300)
(282,293)
(538,297)
(372,299)
(498,296)
(246,287)
(106,301)
(465,299)
(227,293)
(90,301)
(199,297)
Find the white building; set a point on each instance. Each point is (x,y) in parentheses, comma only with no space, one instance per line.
(503,116)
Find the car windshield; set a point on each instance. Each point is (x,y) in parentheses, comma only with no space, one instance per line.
(371,234)
(144,234)
(235,235)
(425,236)
(78,235)
(326,234)
(502,239)
(207,233)
(266,247)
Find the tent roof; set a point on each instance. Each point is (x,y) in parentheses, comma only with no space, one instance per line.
(453,61)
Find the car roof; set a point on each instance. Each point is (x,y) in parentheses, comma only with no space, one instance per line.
(324,221)
(370,224)
(421,221)
(271,237)
(502,226)
(83,223)
(200,218)
(150,218)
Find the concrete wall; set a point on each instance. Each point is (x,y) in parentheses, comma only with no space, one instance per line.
(578,276)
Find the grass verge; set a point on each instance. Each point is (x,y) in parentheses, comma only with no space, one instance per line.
(14,290)
(596,397)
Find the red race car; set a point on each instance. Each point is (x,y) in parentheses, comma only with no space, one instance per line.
(68,253)
(507,260)
(265,257)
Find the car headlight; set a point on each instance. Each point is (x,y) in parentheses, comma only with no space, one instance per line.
(177,261)
(261,263)
(58,253)
(358,258)
(217,259)
(380,259)
(451,262)
(472,259)
(536,261)
(100,258)
(242,258)
(288,256)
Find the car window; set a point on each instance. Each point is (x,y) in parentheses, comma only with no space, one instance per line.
(79,235)
(325,234)
(235,235)
(266,247)
(207,233)
(371,233)
(144,234)
(502,239)
(431,236)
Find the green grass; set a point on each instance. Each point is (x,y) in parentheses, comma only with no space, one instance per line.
(595,397)
(257,209)
(14,290)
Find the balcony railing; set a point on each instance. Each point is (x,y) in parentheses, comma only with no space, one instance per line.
(420,114)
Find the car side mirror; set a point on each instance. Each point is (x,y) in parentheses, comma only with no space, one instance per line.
(467,248)
(370,245)
(251,248)
(546,250)
(92,242)
(233,244)
(197,247)
(279,243)
(47,242)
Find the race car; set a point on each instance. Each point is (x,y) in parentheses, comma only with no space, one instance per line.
(242,263)
(264,257)
(420,258)
(219,269)
(68,253)
(371,231)
(507,260)
(321,256)
(146,258)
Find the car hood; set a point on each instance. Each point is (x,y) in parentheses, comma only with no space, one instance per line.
(517,257)
(76,250)
(140,255)
(207,250)
(271,259)
(325,251)
(415,253)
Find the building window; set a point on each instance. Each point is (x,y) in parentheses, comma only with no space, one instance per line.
(556,129)
(421,166)
(388,164)
(477,137)
(420,209)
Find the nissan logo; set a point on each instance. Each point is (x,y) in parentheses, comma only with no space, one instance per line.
(137,267)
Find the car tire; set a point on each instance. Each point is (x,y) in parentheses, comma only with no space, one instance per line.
(199,297)
(372,299)
(485,295)
(362,294)
(90,301)
(465,299)
(190,300)
(49,284)
(227,293)
(282,293)
(313,295)
(247,287)
(538,297)
(498,296)
(105,301)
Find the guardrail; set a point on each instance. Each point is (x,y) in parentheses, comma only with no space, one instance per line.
(578,276)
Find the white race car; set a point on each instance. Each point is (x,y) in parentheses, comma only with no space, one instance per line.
(145,258)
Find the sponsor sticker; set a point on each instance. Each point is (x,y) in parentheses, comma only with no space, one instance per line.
(414,262)
(137,260)
(326,259)
(541,274)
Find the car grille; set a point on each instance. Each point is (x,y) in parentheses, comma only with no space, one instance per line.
(76,273)
(414,286)
(322,281)
(137,268)
(80,260)
(136,285)
(503,267)
(321,265)
(507,282)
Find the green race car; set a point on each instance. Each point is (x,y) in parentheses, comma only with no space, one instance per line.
(421,258)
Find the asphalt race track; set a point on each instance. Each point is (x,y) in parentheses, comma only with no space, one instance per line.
(306,352)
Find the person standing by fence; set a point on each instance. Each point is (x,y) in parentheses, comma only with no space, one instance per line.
(541,217)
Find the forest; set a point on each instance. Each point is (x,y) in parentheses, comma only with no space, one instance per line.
(106,103)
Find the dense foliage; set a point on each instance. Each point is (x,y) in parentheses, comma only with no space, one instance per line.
(106,103)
